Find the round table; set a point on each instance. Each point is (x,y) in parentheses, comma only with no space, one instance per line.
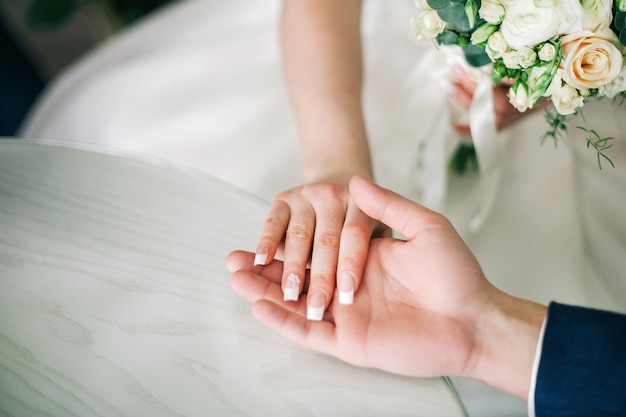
(115,301)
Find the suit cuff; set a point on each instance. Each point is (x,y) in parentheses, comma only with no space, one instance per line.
(535,370)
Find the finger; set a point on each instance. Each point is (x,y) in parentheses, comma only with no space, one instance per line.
(464,80)
(273,231)
(330,217)
(319,335)
(242,260)
(298,243)
(254,287)
(355,238)
(462,130)
(402,215)
(461,96)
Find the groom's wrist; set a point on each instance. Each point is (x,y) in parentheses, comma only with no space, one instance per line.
(506,343)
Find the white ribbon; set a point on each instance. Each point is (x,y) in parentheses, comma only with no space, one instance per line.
(430,114)
(482,124)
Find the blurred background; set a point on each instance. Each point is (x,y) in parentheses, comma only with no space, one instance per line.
(38,38)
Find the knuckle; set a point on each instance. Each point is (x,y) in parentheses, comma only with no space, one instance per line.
(321,281)
(327,241)
(299,232)
(325,192)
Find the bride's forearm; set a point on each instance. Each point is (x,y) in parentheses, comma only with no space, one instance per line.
(323,71)
(506,343)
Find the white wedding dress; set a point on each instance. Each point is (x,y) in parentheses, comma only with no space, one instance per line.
(200,83)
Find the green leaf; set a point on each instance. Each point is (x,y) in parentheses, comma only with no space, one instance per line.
(45,14)
(447,38)
(475,56)
(438,4)
(464,159)
(622,37)
(471,8)
(454,13)
(620,20)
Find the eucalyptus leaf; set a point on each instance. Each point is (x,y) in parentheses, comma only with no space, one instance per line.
(620,20)
(438,4)
(475,56)
(447,38)
(622,37)
(455,12)
(50,13)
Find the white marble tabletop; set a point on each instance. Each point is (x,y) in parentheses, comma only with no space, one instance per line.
(114,301)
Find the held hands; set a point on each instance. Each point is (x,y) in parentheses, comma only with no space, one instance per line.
(419,307)
(317,224)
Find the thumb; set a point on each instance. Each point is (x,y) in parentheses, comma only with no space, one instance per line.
(397,212)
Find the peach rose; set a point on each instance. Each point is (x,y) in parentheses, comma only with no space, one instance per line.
(591,60)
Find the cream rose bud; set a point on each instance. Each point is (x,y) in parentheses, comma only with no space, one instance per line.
(547,52)
(526,57)
(509,58)
(427,25)
(492,11)
(518,97)
(566,99)
(591,59)
(496,46)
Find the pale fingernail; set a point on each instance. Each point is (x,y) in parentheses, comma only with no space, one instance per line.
(346,289)
(292,288)
(260,259)
(315,307)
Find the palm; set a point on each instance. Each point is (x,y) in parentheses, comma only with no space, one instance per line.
(406,318)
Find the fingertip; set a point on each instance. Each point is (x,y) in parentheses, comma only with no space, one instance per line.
(346,287)
(237,259)
(260,258)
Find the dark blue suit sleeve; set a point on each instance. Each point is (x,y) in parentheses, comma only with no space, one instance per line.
(582,370)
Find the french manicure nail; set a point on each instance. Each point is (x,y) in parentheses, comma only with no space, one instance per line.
(346,289)
(315,306)
(260,259)
(292,288)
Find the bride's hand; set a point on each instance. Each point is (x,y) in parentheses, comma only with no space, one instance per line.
(318,225)
(505,114)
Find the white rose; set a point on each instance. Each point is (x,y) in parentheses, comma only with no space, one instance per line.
(528,25)
(597,14)
(526,57)
(492,11)
(616,86)
(427,25)
(566,99)
(422,5)
(591,60)
(570,14)
(547,52)
(509,58)
(496,46)
(518,97)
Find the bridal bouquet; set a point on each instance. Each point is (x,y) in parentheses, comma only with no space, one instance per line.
(562,50)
